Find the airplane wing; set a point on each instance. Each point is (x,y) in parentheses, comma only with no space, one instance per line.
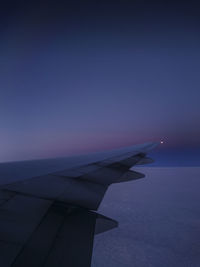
(47,220)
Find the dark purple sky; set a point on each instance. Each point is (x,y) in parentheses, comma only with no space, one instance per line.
(82,76)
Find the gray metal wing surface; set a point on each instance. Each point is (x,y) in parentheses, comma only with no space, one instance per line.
(49,220)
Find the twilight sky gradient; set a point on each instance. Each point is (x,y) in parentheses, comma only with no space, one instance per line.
(85,76)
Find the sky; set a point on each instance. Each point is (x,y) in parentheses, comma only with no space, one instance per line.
(80,76)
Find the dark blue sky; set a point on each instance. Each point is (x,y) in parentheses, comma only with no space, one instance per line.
(79,77)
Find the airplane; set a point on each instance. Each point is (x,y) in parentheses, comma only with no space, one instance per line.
(48,207)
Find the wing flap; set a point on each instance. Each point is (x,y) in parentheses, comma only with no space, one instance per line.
(8,252)
(19,216)
(62,232)
(36,250)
